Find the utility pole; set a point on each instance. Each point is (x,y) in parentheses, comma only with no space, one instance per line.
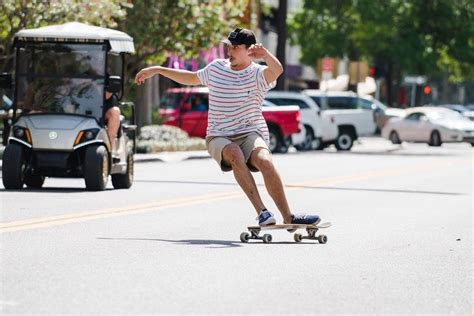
(281,44)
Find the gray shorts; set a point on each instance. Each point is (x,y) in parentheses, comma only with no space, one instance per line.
(247,142)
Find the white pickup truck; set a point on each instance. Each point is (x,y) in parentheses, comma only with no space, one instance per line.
(319,129)
(354,115)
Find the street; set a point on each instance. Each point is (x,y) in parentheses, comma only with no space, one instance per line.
(400,241)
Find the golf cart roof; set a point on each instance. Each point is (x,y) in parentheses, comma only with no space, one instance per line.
(120,42)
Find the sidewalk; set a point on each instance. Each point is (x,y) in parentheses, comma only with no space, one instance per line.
(166,156)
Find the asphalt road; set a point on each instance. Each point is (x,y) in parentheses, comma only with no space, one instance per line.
(401,240)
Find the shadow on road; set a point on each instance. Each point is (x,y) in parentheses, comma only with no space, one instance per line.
(195,242)
(306,187)
(207,242)
(393,152)
(373,190)
(187,182)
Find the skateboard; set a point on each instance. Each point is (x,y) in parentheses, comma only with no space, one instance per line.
(267,238)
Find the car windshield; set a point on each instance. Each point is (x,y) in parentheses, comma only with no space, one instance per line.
(190,101)
(61,78)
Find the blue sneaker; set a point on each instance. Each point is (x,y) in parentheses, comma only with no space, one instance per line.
(303,219)
(266,218)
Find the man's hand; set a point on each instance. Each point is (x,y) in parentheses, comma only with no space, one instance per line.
(144,74)
(273,69)
(257,51)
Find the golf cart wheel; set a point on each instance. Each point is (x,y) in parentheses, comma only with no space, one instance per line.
(13,167)
(244,237)
(267,238)
(96,168)
(322,239)
(298,237)
(124,181)
(34,180)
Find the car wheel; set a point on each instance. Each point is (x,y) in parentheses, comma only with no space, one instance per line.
(13,167)
(308,141)
(394,138)
(125,181)
(344,141)
(435,139)
(317,144)
(277,143)
(96,168)
(274,138)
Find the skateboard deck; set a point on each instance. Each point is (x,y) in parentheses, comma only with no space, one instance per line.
(267,238)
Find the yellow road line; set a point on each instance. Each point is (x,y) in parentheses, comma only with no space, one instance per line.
(193,200)
(140,208)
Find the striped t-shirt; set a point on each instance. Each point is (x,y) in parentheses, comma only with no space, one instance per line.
(235,99)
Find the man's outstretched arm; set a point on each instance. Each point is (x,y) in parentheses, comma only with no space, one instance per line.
(180,76)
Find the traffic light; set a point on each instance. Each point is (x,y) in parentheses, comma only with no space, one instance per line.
(372,71)
(426,89)
(377,71)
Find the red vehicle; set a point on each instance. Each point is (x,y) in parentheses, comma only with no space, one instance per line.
(187,108)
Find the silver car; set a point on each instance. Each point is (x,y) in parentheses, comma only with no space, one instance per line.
(432,125)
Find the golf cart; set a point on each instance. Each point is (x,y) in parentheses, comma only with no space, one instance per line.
(57,123)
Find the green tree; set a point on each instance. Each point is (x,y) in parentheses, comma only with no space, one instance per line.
(431,37)
(159,27)
(16,15)
(182,27)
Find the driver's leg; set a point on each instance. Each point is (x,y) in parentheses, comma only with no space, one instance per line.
(112,119)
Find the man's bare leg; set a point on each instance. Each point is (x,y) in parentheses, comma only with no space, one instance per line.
(112,119)
(233,156)
(262,160)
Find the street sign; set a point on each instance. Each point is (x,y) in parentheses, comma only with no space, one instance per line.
(327,64)
(419,80)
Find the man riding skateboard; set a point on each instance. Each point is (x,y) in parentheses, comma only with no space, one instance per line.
(237,134)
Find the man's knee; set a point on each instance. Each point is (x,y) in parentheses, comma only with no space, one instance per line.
(264,164)
(262,160)
(232,155)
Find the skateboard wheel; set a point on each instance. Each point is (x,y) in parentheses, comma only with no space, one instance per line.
(298,237)
(267,238)
(244,237)
(322,239)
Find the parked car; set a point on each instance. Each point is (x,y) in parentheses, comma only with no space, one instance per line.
(319,129)
(57,125)
(354,116)
(383,112)
(432,125)
(187,108)
(461,109)
(295,138)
